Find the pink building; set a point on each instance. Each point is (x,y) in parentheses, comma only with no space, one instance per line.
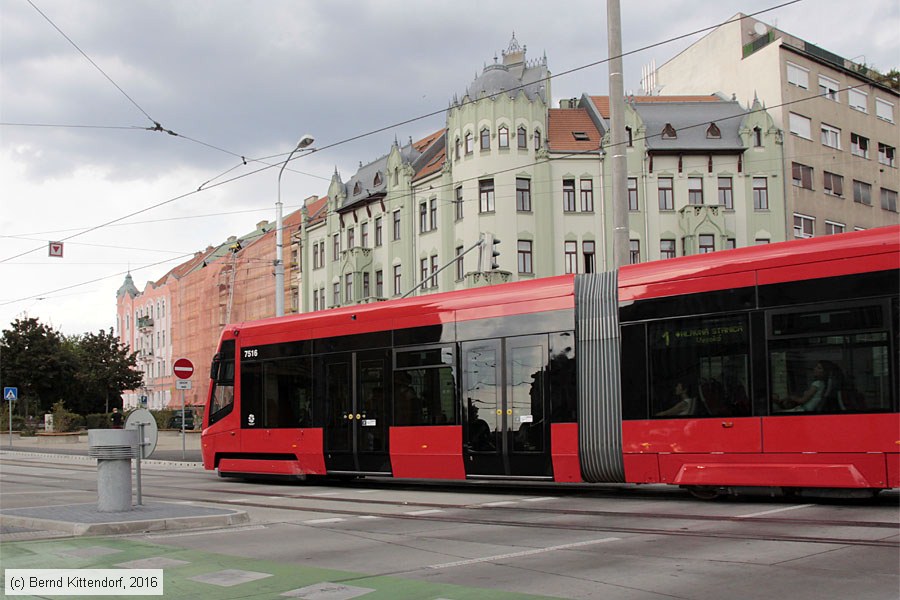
(182,314)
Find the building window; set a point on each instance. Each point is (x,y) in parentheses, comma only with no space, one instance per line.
(695,190)
(322,305)
(485,139)
(459,203)
(364,235)
(336,247)
(632,194)
(713,132)
(587,195)
(757,137)
(666,249)
(336,294)
(460,264)
(707,243)
(833,184)
(832,228)
(503,137)
(859,145)
(831,136)
(802,175)
(629,135)
(378,232)
(804,226)
(730,244)
(348,287)
(456,148)
(379,283)
(537,139)
(423,271)
(351,237)
(760,193)
(568,195)
(886,155)
(726,193)
(315,256)
(761,241)
(666,194)
(366,291)
(470,146)
(522,138)
(862,193)
(423,217)
(801,126)
(524,256)
(434,268)
(634,251)
(486,195)
(888,201)
(797,75)
(829,88)
(523,194)
(669,133)
(432,214)
(588,248)
(884,110)
(857,99)
(315,300)
(397,279)
(396,224)
(571,257)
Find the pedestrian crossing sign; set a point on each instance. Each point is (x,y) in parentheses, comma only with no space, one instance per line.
(10,393)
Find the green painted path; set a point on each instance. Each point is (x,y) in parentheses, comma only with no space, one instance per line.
(192,574)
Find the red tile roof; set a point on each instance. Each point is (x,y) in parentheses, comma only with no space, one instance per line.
(564,123)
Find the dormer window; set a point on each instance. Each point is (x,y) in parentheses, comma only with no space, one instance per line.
(357,188)
(668,132)
(377,181)
(713,132)
(581,136)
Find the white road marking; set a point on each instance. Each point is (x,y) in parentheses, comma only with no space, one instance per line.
(429,511)
(471,561)
(320,521)
(773,511)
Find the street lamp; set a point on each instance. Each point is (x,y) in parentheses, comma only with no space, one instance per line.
(305,142)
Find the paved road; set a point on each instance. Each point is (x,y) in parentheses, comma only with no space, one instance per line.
(168,446)
(406,541)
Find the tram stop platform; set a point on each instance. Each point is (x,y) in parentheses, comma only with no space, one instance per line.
(85,519)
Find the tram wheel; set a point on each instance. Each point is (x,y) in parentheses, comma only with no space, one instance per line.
(704,492)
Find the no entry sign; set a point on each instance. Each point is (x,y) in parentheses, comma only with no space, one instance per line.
(183,368)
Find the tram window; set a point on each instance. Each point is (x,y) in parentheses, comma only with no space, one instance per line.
(563,378)
(830,360)
(634,371)
(699,367)
(222,401)
(276,394)
(425,387)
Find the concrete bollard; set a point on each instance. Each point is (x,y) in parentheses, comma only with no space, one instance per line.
(113,449)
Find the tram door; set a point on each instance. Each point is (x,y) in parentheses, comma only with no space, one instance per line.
(355,410)
(505,385)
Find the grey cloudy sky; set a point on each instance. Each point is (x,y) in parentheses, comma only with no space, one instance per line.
(247,78)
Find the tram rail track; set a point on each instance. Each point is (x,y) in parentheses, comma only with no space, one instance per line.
(480,514)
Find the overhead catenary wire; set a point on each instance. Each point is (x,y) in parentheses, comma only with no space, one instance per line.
(114,221)
(207,185)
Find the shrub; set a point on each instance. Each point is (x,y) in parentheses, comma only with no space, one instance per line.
(64,420)
(18,422)
(98,421)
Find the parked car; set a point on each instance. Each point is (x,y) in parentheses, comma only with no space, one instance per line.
(175,420)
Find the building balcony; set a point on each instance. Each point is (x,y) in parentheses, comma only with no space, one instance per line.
(145,323)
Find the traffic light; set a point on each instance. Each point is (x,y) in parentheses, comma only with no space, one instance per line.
(495,252)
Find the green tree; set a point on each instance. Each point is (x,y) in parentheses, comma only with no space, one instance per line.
(36,360)
(105,370)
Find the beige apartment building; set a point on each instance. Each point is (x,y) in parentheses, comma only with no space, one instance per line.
(839,120)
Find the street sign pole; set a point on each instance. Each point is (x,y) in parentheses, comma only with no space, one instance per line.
(183,369)
(10,394)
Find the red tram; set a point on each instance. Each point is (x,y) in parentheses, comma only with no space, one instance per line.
(772,366)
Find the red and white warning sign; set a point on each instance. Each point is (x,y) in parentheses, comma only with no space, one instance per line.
(183,368)
(55,249)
